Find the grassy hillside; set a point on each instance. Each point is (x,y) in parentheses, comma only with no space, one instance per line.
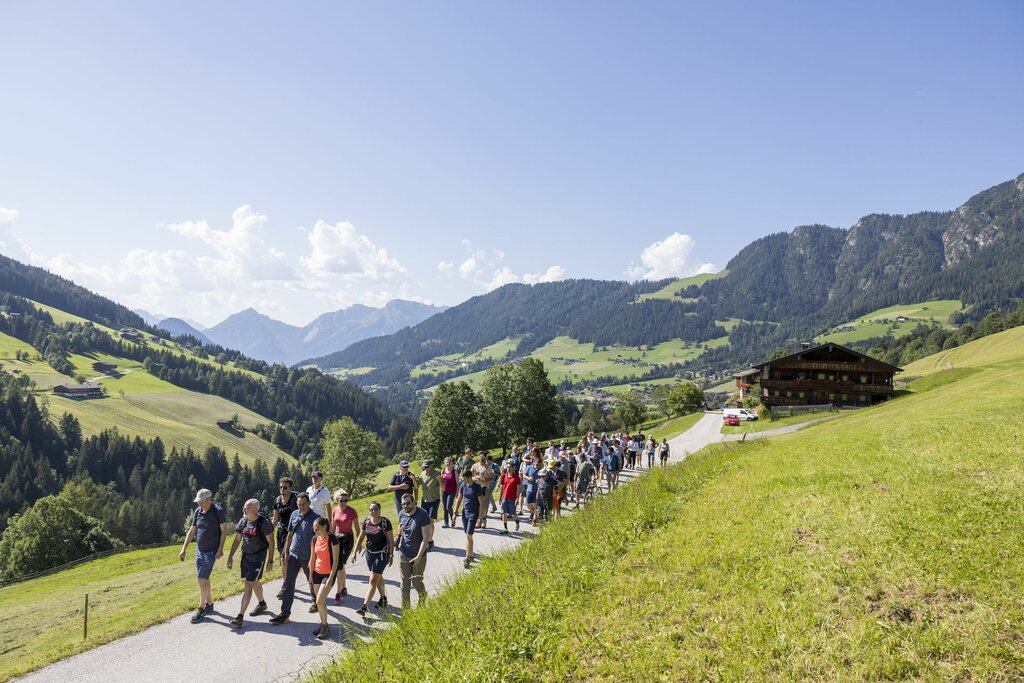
(140,404)
(670,290)
(883,321)
(882,544)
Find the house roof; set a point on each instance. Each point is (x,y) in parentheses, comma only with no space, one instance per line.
(88,386)
(830,346)
(746,373)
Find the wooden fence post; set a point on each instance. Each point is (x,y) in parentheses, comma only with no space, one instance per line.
(85,621)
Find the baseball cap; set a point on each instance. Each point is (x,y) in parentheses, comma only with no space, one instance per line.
(427,463)
(403,463)
(318,474)
(203,494)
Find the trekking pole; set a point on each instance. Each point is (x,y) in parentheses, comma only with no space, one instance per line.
(85,620)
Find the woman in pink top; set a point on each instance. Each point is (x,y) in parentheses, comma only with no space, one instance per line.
(449,484)
(343,516)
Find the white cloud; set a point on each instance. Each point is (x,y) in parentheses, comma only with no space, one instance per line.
(7,218)
(469,269)
(502,277)
(671,257)
(339,249)
(445,267)
(241,251)
(552,274)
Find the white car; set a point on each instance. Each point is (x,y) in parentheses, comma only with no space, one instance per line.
(741,413)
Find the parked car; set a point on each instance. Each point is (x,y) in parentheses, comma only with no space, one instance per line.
(732,421)
(741,413)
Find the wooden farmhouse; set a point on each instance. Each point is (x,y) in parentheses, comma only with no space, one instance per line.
(79,391)
(101,366)
(824,374)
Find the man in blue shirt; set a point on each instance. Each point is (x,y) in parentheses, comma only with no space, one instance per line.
(417,531)
(210,529)
(300,535)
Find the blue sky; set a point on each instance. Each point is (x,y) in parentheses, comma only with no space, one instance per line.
(195,159)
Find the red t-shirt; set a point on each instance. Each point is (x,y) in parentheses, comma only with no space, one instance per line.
(509,486)
(344,518)
(449,482)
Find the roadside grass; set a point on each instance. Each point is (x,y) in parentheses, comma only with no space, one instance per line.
(870,325)
(676,426)
(994,349)
(766,423)
(884,545)
(41,619)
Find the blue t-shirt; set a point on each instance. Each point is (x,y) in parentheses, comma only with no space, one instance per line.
(471,497)
(208,527)
(301,529)
(397,480)
(531,478)
(412,531)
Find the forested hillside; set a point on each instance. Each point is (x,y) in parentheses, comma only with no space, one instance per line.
(779,290)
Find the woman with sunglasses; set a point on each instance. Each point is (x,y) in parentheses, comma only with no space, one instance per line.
(377,535)
(344,517)
(324,560)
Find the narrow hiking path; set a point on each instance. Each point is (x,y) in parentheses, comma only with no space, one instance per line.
(178,650)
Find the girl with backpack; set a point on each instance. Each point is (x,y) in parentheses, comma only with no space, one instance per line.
(324,558)
(377,535)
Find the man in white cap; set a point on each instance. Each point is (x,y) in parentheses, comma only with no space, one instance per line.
(319,496)
(210,529)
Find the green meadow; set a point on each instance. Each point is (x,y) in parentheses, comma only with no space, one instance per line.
(872,325)
(443,363)
(880,545)
(670,290)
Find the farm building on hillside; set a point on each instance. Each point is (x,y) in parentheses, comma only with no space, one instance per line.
(79,391)
(101,366)
(127,333)
(824,374)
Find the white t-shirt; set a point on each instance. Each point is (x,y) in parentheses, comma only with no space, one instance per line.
(319,500)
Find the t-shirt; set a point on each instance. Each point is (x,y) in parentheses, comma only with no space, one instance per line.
(531,478)
(301,529)
(323,553)
(510,485)
(285,510)
(471,497)
(344,516)
(650,447)
(208,527)
(495,473)
(560,479)
(482,473)
(586,471)
(254,534)
(412,531)
(397,480)
(430,485)
(376,534)
(319,500)
(449,482)
(663,449)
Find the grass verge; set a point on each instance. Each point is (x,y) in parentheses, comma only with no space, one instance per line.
(881,546)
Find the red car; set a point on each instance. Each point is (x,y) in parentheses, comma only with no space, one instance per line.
(732,421)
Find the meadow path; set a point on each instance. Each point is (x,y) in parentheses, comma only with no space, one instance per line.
(212,650)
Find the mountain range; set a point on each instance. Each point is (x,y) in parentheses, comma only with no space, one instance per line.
(780,289)
(264,338)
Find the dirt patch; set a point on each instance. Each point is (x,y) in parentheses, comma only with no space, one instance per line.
(806,538)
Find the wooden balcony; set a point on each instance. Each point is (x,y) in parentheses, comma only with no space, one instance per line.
(826,385)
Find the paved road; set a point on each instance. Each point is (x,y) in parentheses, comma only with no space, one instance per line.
(178,650)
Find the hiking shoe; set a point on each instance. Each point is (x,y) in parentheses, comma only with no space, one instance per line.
(517,525)
(362,610)
(430,546)
(198,616)
(344,592)
(208,608)
(337,599)
(279,619)
(382,603)
(322,632)
(237,621)
(258,609)
(467,563)
(312,608)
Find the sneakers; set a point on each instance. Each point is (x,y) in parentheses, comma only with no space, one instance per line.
(208,608)
(445,525)
(198,616)
(322,632)
(467,563)
(258,609)
(279,619)
(312,608)
(382,603)
(362,610)
(430,546)
(517,525)
(237,621)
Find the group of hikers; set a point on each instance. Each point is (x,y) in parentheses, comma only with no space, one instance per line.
(316,533)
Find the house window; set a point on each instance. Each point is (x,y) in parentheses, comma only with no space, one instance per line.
(789,394)
(863,379)
(801,394)
(821,375)
(844,397)
(846,378)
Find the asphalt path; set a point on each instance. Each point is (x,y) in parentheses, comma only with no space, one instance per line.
(178,650)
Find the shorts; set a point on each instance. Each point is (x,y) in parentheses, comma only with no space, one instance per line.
(318,578)
(431,508)
(282,534)
(508,507)
(664,457)
(376,562)
(469,522)
(204,563)
(531,497)
(252,565)
(346,542)
(521,491)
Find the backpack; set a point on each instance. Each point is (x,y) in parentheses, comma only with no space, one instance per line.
(613,461)
(259,531)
